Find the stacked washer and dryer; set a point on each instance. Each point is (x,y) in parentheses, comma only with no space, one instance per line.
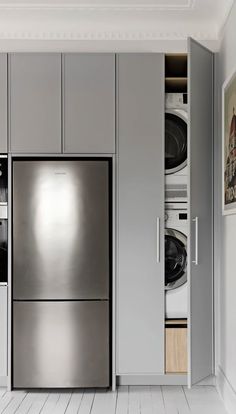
(176,217)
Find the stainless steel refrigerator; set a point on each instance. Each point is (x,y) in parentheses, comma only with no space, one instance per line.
(61,272)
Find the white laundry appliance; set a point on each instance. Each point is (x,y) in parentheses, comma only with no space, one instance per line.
(176,139)
(176,280)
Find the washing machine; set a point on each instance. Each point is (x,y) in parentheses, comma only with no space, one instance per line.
(176,137)
(176,280)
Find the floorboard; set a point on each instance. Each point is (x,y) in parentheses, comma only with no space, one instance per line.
(122,400)
(175,400)
(2,392)
(146,406)
(204,399)
(157,400)
(134,400)
(75,402)
(38,403)
(62,403)
(50,403)
(5,401)
(126,400)
(26,404)
(87,402)
(18,397)
(99,402)
(112,402)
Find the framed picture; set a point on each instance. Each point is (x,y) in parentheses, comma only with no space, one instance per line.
(229,145)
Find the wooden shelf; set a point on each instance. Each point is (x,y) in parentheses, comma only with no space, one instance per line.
(176,84)
(175,79)
(175,322)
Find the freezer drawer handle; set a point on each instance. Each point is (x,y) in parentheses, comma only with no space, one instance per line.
(158,239)
(195,220)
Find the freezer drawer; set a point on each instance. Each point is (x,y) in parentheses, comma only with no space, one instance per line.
(61,344)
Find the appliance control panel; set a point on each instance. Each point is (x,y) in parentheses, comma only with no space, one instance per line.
(176,218)
(176,100)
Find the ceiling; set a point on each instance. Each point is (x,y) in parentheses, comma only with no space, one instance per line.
(113,19)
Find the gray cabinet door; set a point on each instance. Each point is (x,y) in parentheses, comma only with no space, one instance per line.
(3,103)
(89,103)
(140,286)
(201,189)
(35,102)
(3,331)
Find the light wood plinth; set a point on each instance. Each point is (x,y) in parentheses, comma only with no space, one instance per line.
(176,346)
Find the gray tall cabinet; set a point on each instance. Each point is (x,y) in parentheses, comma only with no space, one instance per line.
(3,150)
(140,284)
(140,334)
(105,104)
(3,103)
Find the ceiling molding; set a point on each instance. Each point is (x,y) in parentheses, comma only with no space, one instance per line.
(95,7)
(103,35)
(55,20)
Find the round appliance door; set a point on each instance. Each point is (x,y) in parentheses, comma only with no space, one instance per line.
(175,141)
(175,259)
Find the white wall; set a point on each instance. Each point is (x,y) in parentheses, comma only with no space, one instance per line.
(225,241)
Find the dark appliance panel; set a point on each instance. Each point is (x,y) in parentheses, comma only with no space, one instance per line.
(3,251)
(3,179)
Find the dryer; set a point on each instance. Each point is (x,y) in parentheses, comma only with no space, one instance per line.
(176,239)
(176,139)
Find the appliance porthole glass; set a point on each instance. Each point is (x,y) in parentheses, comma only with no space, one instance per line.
(175,142)
(175,259)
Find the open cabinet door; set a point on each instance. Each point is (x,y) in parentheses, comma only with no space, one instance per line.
(200,155)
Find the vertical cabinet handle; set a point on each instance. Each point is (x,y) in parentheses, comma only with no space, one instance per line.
(158,239)
(195,220)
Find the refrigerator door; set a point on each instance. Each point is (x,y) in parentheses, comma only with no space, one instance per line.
(61,229)
(61,344)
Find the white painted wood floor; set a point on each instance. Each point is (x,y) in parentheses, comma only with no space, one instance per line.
(127,400)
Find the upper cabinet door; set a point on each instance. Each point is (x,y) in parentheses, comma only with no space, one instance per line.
(140,285)
(89,103)
(3,103)
(200,75)
(35,102)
